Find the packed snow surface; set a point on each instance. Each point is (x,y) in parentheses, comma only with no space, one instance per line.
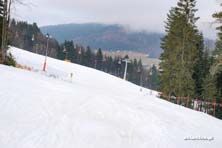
(92,110)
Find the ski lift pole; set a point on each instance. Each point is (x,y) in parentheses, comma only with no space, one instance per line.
(118,67)
(33,41)
(125,73)
(46,53)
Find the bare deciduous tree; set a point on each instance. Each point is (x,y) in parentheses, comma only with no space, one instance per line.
(7,6)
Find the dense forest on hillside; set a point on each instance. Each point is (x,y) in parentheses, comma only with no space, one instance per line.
(109,37)
(29,37)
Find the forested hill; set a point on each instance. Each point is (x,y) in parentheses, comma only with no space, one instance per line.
(29,37)
(109,37)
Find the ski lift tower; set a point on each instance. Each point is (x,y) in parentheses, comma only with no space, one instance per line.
(125,73)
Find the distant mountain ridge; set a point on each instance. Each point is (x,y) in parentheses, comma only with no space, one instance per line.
(111,37)
(107,37)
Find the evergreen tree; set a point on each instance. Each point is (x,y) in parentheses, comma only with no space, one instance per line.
(213,81)
(140,73)
(217,67)
(82,55)
(135,72)
(88,57)
(209,88)
(153,78)
(218,17)
(207,62)
(110,64)
(198,75)
(69,46)
(29,37)
(180,50)
(99,59)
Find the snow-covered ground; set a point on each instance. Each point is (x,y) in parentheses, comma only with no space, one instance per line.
(94,110)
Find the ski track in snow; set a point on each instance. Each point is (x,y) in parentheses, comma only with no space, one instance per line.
(94,110)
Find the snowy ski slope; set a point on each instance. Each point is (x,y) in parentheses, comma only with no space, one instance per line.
(94,110)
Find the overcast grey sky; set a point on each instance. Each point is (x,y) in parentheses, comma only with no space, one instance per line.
(137,14)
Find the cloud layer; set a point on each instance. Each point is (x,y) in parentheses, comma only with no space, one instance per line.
(141,14)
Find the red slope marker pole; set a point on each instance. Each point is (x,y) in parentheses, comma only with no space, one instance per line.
(44,66)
